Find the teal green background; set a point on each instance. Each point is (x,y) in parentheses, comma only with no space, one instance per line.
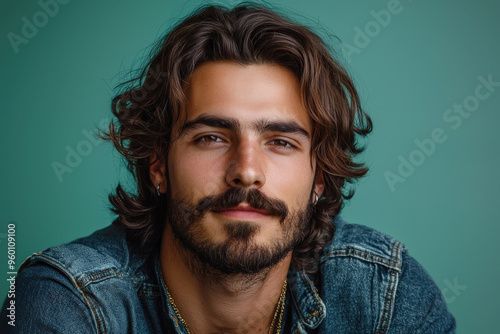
(427,58)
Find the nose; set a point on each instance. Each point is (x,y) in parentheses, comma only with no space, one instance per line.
(245,169)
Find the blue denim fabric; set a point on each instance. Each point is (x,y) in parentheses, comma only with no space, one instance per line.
(367,283)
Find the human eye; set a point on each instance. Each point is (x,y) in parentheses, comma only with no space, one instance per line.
(282,144)
(208,140)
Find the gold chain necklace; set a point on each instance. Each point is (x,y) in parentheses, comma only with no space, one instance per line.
(280,307)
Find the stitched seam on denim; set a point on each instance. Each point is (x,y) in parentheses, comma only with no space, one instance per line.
(151,294)
(55,263)
(99,276)
(301,315)
(386,315)
(297,308)
(382,323)
(89,305)
(359,253)
(391,288)
(174,316)
(314,294)
(394,285)
(147,290)
(363,255)
(97,310)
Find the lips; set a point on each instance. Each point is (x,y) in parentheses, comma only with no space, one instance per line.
(243,211)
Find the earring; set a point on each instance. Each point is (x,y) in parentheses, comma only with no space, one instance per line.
(316,199)
(158,190)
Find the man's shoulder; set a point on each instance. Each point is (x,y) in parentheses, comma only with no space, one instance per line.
(104,252)
(364,243)
(96,283)
(369,279)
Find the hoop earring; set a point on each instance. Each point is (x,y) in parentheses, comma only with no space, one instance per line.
(316,199)
(158,190)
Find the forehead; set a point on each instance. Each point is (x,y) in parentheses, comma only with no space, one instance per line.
(248,93)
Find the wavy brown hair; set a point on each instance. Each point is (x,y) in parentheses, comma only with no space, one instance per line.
(151,105)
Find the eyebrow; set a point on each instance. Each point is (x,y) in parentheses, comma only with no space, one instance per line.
(280,126)
(216,122)
(262,126)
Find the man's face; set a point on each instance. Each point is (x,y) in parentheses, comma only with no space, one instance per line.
(240,171)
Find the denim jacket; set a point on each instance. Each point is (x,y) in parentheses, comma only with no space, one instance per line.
(367,283)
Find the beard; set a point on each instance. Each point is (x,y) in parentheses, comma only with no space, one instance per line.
(238,253)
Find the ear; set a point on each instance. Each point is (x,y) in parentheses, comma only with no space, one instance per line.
(157,173)
(319,183)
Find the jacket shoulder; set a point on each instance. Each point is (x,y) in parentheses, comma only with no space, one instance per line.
(99,282)
(364,243)
(378,285)
(102,254)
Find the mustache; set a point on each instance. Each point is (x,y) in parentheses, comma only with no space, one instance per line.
(235,196)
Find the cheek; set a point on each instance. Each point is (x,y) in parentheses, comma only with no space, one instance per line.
(193,176)
(292,182)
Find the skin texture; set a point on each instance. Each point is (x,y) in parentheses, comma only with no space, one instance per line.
(262,143)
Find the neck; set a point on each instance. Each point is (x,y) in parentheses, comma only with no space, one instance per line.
(234,304)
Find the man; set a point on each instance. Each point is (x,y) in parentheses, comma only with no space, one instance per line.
(241,136)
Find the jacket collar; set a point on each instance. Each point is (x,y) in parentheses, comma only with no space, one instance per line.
(308,308)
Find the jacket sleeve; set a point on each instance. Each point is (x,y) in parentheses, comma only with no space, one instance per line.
(419,305)
(46,301)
